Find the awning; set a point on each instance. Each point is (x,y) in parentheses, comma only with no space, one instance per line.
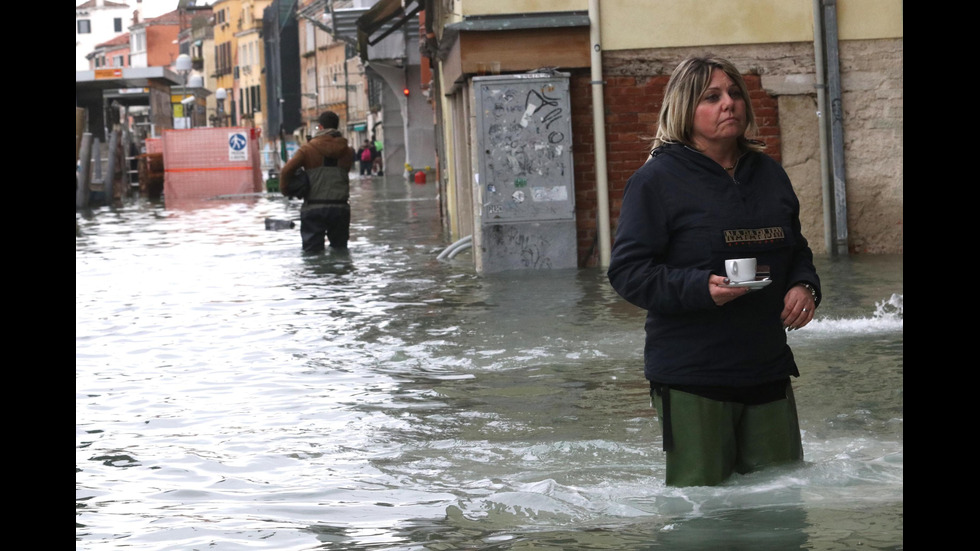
(343,23)
(125,77)
(512,22)
(384,18)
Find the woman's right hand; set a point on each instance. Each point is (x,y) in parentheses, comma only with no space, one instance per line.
(720,293)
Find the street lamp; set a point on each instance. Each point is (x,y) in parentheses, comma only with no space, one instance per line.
(183,66)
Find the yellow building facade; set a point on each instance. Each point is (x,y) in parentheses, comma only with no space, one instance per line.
(251,95)
(226,16)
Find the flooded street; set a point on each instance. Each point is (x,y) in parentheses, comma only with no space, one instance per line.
(233,393)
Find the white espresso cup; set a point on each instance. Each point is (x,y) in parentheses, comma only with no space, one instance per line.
(740,269)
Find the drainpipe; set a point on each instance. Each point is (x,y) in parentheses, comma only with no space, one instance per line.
(837,124)
(316,87)
(826,185)
(405,114)
(599,126)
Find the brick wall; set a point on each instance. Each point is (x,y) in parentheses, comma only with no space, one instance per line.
(632,105)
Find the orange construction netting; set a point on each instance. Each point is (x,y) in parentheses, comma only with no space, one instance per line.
(204,163)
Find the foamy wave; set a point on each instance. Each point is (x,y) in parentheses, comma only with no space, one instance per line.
(888,316)
(892,307)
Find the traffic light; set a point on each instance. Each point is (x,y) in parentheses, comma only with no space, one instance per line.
(405,91)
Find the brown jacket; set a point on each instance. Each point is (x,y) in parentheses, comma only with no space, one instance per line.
(310,155)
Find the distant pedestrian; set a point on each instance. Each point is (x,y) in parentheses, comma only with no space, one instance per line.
(327,159)
(378,164)
(366,157)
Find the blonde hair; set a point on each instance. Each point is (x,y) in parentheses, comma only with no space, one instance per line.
(687,84)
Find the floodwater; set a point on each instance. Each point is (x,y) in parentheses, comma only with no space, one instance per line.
(232,393)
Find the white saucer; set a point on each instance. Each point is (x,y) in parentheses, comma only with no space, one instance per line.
(755,284)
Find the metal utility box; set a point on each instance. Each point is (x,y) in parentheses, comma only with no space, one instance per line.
(524,211)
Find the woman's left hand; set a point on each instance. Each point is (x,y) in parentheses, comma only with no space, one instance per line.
(798,307)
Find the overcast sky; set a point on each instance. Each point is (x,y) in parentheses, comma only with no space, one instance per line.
(152,8)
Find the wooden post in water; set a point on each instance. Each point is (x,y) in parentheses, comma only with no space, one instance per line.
(84,175)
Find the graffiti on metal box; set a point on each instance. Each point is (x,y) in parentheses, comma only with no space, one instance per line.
(525,128)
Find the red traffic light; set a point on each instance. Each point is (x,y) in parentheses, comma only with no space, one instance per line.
(405,91)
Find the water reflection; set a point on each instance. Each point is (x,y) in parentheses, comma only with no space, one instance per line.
(232,392)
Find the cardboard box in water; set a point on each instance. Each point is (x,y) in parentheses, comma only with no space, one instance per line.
(205,163)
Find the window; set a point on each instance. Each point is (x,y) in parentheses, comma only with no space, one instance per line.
(118,61)
(137,42)
(223,59)
(311,83)
(256,99)
(84,26)
(310,37)
(375,88)
(117,24)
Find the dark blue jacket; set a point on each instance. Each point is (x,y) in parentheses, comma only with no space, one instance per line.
(682,216)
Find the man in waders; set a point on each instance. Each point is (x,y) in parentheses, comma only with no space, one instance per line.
(327,159)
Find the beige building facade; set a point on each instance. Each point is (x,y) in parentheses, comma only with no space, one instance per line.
(332,77)
(322,59)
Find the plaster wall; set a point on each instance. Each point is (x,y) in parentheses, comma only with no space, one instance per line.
(161,45)
(102,22)
(630,24)
(469,8)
